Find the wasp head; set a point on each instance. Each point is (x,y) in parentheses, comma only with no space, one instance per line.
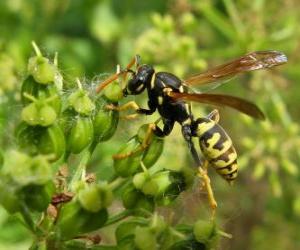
(139,80)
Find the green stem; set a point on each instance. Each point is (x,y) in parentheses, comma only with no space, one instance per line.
(218,20)
(236,20)
(29,97)
(36,49)
(27,218)
(118,217)
(116,183)
(87,154)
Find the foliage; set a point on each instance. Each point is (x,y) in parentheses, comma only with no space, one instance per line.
(179,36)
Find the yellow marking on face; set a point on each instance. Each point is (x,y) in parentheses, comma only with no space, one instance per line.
(181,89)
(139,87)
(187,122)
(152,81)
(160,100)
(203,127)
(231,158)
(213,153)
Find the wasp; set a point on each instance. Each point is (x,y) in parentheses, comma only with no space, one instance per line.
(171,97)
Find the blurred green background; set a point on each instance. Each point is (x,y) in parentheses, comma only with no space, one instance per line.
(262,209)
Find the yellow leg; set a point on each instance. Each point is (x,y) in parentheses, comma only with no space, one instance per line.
(202,173)
(126,106)
(145,143)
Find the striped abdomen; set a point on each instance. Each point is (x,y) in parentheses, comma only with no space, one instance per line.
(217,148)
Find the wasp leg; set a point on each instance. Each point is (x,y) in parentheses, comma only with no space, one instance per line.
(129,105)
(202,173)
(168,126)
(214,115)
(134,61)
(145,144)
(187,134)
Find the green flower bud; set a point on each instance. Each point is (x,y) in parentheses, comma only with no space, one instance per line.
(206,233)
(164,185)
(145,239)
(75,220)
(42,70)
(158,224)
(52,142)
(8,198)
(38,197)
(39,114)
(113,92)
(38,91)
(26,170)
(153,152)
(126,230)
(28,137)
(31,87)
(105,122)
(81,102)
(81,135)
(134,199)
(130,195)
(144,204)
(139,179)
(128,166)
(30,114)
(95,197)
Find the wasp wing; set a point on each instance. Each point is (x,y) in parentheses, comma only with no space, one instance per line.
(237,103)
(252,61)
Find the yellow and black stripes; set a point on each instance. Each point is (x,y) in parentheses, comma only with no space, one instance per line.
(217,148)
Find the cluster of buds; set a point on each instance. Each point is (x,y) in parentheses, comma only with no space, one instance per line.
(59,124)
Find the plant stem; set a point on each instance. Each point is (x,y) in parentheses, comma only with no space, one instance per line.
(118,217)
(83,163)
(36,49)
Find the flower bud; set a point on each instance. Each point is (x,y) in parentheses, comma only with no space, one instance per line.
(134,199)
(164,185)
(128,166)
(40,68)
(95,197)
(26,170)
(113,92)
(38,197)
(158,224)
(206,232)
(39,114)
(126,230)
(75,220)
(50,93)
(105,121)
(145,238)
(153,152)
(81,102)
(8,198)
(52,142)
(81,135)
